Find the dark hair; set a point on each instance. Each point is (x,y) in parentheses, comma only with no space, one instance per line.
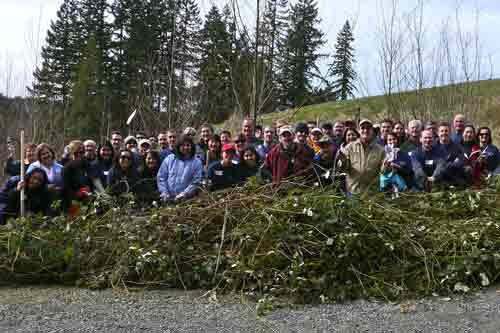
(398,139)
(344,138)
(105,144)
(398,122)
(225,132)
(185,139)
(252,149)
(444,124)
(327,126)
(116,132)
(302,127)
(490,140)
(258,127)
(387,120)
(155,155)
(117,158)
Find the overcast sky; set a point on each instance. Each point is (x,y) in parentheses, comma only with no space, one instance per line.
(24,24)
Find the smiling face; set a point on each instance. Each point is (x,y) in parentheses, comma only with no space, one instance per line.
(268,135)
(206,133)
(286,139)
(185,149)
(427,139)
(366,133)
(116,140)
(385,128)
(125,160)
(35,181)
(46,157)
(247,128)
(30,154)
(351,136)
(392,140)
(315,136)
(105,153)
(151,162)
(338,129)
(225,138)
(250,158)
(301,137)
(90,151)
(469,135)
(213,146)
(459,123)
(399,129)
(484,137)
(444,134)
(162,140)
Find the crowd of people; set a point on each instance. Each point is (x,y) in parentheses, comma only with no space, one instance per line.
(174,166)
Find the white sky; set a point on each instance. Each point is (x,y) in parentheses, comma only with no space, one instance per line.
(24,24)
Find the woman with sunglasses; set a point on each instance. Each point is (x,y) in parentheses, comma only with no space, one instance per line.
(77,182)
(181,173)
(489,156)
(123,176)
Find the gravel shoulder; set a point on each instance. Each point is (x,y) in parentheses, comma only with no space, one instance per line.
(54,309)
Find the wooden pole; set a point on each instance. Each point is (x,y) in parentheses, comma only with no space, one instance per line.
(22,173)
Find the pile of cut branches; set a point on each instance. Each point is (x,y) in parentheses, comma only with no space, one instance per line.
(305,244)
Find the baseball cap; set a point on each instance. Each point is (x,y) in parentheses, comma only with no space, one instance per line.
(228,147)
(365,121)
(316,129)
(143,141)
(285,129)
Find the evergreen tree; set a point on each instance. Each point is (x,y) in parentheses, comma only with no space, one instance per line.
(215,78)
(342,67)
(303,41)
(274,28)
(88,95)
(60,57)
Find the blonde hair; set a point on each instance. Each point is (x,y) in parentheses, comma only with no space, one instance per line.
(74,146)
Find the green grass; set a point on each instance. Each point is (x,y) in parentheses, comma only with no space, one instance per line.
(376,107)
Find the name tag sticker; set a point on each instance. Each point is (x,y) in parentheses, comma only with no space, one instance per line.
(429,162)
(219,173)
(106,173)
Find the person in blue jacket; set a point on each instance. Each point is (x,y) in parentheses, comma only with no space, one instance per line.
(454,169)
(224,173)
(427,163)
(397,172)
(38,197)
(489,156)
(181,173)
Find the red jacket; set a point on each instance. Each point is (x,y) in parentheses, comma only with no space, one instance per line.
(283,164)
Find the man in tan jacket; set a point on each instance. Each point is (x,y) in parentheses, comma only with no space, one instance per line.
(362,160)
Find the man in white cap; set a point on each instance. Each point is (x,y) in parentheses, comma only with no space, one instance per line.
(288,158)
(362,160)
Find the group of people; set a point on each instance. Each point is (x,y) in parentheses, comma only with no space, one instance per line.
(174,166)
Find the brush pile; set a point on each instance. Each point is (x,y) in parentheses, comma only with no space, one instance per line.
(305,244)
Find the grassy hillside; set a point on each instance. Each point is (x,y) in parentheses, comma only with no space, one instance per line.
(481,99)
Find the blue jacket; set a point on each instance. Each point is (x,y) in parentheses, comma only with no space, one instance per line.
(177,176)
(456,138)
(263,149)
(492,157)
(427,164)
(57,168)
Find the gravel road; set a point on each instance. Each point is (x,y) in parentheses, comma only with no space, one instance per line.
(50,309)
